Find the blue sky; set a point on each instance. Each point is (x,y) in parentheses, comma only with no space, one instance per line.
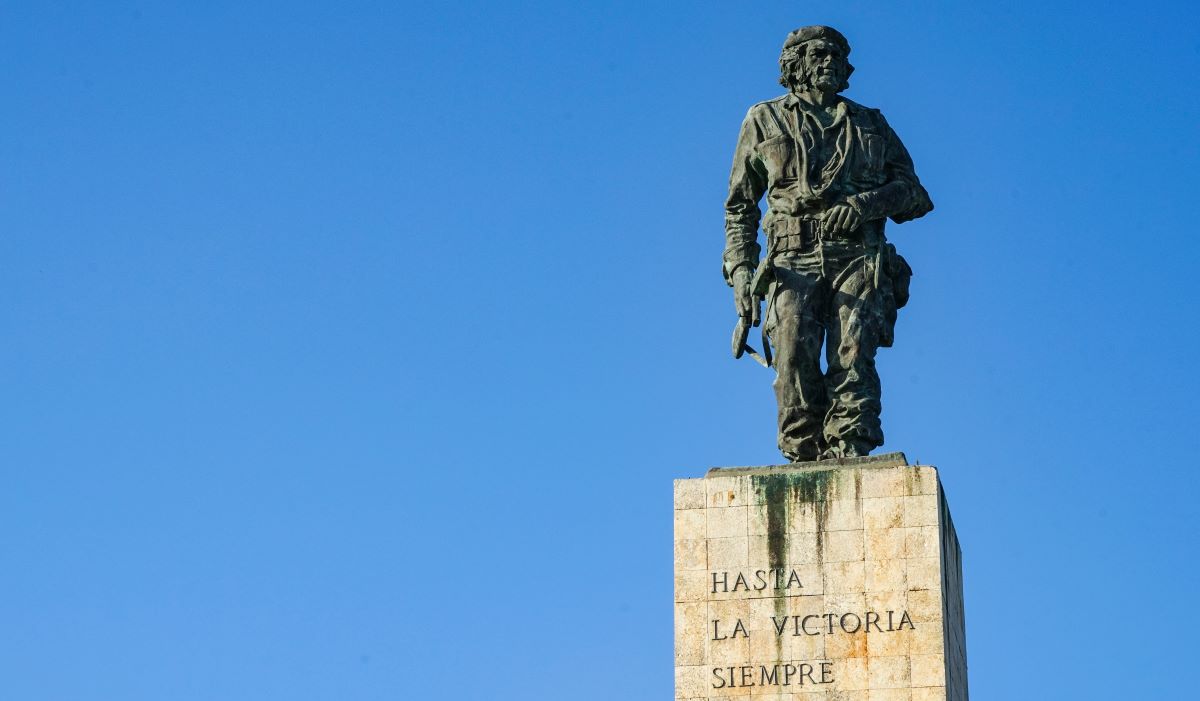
(350,348)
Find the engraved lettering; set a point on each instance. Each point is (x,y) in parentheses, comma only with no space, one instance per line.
(739,627)
(788,671)
(772,678)
(845,622)
(785,674)
(775,578)
(717,674)
(873,619)
(779,625)
(806,670)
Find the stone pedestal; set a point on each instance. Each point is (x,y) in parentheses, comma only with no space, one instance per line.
(831,580)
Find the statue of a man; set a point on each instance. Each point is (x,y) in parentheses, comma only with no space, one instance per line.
(833,171)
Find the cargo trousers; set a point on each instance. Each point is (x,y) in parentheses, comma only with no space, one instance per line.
(827,294)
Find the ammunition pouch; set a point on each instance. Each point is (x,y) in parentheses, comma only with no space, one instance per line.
(894,284)
(793,234)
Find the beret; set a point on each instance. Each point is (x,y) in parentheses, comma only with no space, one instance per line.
(816,31)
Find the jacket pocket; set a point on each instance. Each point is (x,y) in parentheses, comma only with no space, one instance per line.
(870,147)
(777,154)
(870,159)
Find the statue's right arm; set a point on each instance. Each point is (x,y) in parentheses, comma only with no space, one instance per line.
(747,184)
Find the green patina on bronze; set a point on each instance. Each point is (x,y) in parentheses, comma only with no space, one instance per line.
(833,172)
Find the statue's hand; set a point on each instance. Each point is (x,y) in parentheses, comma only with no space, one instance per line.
(840,220)
(742,299)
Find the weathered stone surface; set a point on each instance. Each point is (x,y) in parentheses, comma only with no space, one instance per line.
(832,580)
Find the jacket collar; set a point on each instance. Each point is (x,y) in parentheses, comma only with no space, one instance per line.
(792,102)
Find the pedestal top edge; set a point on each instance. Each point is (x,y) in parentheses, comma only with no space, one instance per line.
(883,460)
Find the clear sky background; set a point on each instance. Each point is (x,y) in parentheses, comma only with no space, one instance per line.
(349,349)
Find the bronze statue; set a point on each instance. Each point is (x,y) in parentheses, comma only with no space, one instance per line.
(833,171)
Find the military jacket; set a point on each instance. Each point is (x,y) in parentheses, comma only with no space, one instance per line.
(804,167)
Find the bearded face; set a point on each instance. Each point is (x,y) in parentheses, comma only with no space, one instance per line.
(820,65)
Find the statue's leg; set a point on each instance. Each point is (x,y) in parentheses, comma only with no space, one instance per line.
(855,327)
(796,332)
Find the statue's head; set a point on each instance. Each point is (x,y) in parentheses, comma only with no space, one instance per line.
(815,57)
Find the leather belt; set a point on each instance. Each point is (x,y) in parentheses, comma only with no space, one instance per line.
(793,234)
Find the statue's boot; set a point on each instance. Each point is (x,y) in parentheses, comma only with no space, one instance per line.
(801,457)
(841,448)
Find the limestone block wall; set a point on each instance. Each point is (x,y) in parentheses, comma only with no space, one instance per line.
(838,581)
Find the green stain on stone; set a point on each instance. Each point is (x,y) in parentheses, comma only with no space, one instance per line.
(777,493)
(915,481)
(811,486)
(816,489)
(773,491)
